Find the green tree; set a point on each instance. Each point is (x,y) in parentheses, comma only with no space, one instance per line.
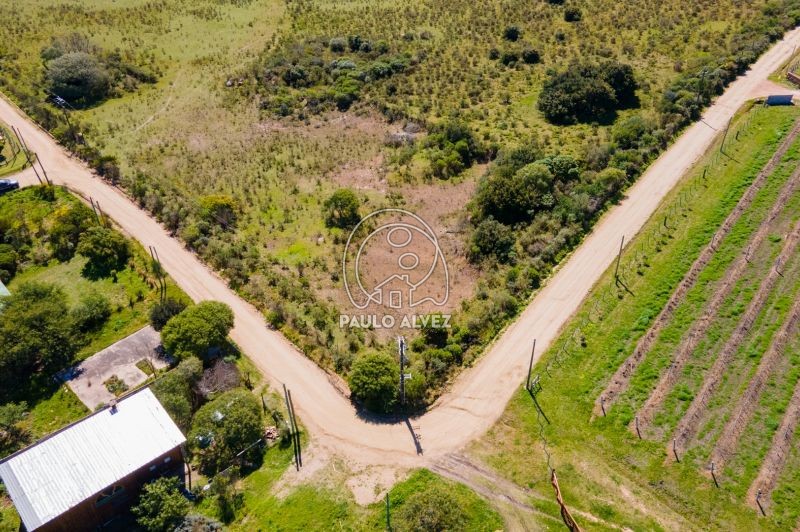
(161,505)
(198,329)
(374,380)
(224,427)
(433,509)
(8,262)
(516,197)
(12,435)
(106,250)
(175,390)
(78,77)
(67,228)
(341,209)
(162,311)
(219,209)
(92,311)
(491,238)
(36,334)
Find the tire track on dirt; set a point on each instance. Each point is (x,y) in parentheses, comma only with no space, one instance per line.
(621,379)
(701,325)
(688,425)
(778,454)
(745,408)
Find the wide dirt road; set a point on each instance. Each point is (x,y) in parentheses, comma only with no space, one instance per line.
(479,396)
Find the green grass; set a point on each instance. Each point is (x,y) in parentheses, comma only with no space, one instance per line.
(600,462)
(54,412)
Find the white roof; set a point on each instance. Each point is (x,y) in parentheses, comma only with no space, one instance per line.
(52,476)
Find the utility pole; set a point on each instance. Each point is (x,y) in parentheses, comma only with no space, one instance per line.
(530,366)
(388,514)
(26,153)
(401,348)
(619,257)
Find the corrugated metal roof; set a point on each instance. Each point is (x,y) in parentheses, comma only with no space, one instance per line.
(61,471)
(3,290)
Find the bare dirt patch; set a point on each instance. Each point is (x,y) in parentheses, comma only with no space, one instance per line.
(621,379)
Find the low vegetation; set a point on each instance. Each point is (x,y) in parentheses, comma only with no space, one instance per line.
(604,464)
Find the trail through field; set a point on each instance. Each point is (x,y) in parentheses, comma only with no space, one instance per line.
(688,425)
(479,396)
(621,379)
(778,453)
(745,408)
(700,327)
(509,498)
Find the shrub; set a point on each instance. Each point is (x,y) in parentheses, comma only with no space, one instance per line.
(587,93)
(8,262)
(374,381)
(224,427)
(341,209)
(175,390)
(92,311)
(511,33)
(530,56)
(198,329)
(36,334)
(219,209)
(515,198)
(434,508)
(491,238)
(161,505)
(163,311)
(572,14)
(78,77)
(105,248)
(198,523)
(338,44)
(67,229)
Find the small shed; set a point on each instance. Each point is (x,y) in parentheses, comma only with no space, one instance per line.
(780,99)
(88,473)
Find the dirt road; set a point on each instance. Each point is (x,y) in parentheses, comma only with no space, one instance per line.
(479,396)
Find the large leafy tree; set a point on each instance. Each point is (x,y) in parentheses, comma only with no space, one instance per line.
(374,381)
(105,248)
(198,329)
(341,209)
(175,390)
(161,506)
(36,334)
(224,427)
(78,77)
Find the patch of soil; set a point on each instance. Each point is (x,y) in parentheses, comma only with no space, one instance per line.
(621,379)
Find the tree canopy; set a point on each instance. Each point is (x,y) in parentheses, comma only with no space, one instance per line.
(587,92)
(224,427)
(36,333)
(374,381)
(175,390)
(105,248)
(341,209)
(198,329)
(78,77)
(161,505)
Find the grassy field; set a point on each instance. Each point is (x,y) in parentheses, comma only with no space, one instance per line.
(203,128)
(603,466)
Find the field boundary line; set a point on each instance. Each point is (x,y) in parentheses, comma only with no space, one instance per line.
(688,425)
(745,408)
(700,326)
(620,381)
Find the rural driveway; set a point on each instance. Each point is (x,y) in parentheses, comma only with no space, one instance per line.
(480,394)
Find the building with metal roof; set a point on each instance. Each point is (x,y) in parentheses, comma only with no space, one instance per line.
(81,476)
